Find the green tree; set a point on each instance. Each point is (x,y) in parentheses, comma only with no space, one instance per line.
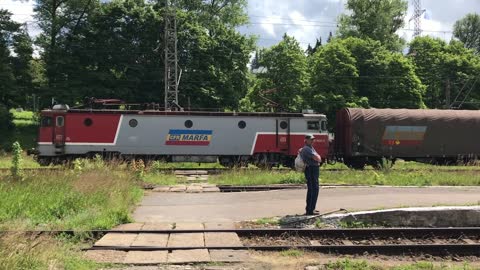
(285,76)
(467,30)
(440,65)
(333,77)
(375,19)
(355,72)
(115,49)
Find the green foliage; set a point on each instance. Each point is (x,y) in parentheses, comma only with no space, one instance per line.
(291,253)
(354,72)
(82,54)
(347,264)
(467,30)
(16,168)
(285,78)
(267,221)
(438,63)
(375,19)
(92,199)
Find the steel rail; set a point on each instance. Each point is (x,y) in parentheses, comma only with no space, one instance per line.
(432,249)
(326,233)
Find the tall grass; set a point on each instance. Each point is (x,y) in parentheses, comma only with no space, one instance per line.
(92,195)
(92,199)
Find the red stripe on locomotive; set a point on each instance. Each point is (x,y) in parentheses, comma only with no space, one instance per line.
(266,143)
(103,128)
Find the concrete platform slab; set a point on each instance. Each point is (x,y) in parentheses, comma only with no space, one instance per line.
(161,189)
(222,239)
(154,226)
(146,257)
(229,255)
(186,240)
(129,226)
(151,240)
(441,216)
(211,189)
(189,226)
(194,189)
(106,256)
(219,226)
(189,256)
(117,239)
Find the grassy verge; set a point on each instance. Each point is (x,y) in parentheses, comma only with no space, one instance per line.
(347,264)
(426,175)
(92,196)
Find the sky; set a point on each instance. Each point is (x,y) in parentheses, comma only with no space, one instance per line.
(307,20)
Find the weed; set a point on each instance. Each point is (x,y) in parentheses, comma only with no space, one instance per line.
(16,169)
(267,221)
(350,265)
(291,253)
(354,224)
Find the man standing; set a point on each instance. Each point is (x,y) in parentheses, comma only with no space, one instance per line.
(312,171)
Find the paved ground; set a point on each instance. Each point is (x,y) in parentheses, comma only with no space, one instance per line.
(218,207)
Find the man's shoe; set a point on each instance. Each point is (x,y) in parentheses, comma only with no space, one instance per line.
(316,212)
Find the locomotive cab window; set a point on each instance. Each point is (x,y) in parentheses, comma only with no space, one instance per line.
(323,125)
(313,125)
(60,121)
(46,121)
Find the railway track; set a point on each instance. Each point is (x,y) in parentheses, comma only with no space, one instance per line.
(385,241)
(413,241)
(220,170)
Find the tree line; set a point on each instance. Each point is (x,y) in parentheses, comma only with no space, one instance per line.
(114,49)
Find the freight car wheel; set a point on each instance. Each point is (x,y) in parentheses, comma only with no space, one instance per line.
(355,163)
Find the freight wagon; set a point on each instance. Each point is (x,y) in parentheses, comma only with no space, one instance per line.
(366,136)
(264,139)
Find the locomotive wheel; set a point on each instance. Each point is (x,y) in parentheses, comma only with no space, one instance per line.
(44,161)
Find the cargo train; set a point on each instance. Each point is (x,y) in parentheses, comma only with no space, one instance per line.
(362,136)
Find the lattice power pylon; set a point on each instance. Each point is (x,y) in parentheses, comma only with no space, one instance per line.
(171,59)
(417,17)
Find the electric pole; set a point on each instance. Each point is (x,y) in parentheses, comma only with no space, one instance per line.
(172,77)
(417,17)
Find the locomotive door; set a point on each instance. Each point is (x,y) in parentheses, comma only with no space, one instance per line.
(283,135)
(59,133)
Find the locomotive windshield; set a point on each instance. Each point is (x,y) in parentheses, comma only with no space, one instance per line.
(317,125)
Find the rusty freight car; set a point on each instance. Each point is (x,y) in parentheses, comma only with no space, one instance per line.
(367,136)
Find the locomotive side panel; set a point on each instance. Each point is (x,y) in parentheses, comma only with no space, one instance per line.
(182,135)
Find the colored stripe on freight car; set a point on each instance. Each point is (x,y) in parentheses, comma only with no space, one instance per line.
(403,135)
(189,137)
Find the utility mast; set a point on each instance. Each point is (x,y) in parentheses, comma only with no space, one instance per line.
(417,17)
(172,76)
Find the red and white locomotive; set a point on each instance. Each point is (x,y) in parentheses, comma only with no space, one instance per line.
(231,138)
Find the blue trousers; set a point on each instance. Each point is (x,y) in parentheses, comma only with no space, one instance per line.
(311,174)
